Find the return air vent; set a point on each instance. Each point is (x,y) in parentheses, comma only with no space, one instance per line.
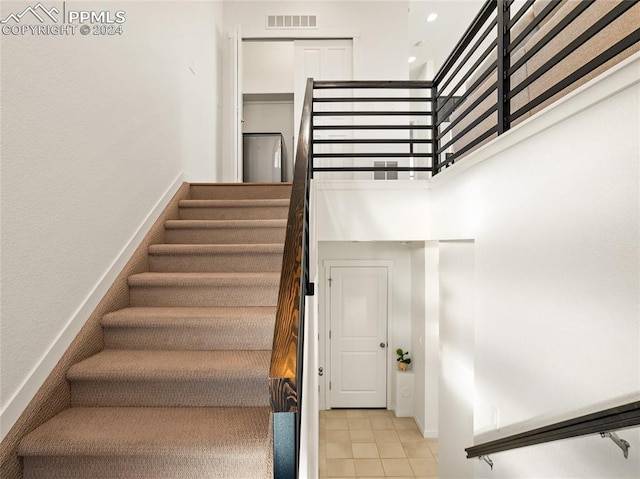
(291,21)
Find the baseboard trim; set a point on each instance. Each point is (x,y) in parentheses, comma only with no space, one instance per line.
(36,378)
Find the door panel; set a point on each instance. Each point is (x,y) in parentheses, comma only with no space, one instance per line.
(358,324)
(324,60)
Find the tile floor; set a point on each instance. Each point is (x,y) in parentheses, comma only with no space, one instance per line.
(373,443)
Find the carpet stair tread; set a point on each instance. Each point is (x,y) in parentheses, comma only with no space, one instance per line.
(215,249)
(158,365)
(225,224)
(150,431)
(226,329)
(208,191)
(150,317)
(204,279)
(240,203)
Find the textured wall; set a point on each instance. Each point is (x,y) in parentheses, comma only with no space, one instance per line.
(94,130)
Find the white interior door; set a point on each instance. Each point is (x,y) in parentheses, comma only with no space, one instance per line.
(358,337)
(321,60)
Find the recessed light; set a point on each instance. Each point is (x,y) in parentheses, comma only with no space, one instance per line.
(432,17)
(412,59)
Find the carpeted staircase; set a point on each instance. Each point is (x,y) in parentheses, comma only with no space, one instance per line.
(181,388)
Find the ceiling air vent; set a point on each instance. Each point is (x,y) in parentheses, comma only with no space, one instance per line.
(291,21)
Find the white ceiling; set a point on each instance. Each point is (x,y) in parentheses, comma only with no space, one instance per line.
(440,36)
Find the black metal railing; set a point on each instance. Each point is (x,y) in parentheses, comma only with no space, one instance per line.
(349,117)
(603,422)
(286,368)
(510,63)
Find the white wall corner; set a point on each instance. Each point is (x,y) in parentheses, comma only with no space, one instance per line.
(36,377)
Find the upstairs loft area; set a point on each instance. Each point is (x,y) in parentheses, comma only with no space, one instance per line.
(411,130)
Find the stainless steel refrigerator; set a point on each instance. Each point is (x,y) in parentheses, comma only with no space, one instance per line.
(263,157)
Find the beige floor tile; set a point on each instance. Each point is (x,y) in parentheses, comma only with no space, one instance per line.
(409,435)
(392,450)
(339,450)
(353,413)
(363,435)
(386,435)
(404,423)
(335,414)
(433,445)
(337,436)
(359,423)
(365,451)
(424,466)
(397,467)
(340,468)
(417,449)
(368,467)
(381,422)
(380,413)
(337,424)
(373,443)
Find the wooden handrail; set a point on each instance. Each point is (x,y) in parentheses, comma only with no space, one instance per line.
(285,371)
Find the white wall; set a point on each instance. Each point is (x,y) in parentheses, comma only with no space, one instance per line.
(378,56)
(456,384)
(267,67)
(418,331)
(94,131)
(553,208)
(557,261)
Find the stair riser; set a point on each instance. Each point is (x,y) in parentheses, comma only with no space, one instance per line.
(203,296)
(194,339)
(225,235)
(222,213)
(200,263)
(239,192)
(213,466)
(221,392)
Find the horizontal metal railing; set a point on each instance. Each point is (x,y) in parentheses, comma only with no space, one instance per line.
(507,50)
(350,116)
(502,70)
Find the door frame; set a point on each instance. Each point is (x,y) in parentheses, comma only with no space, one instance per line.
(324,346)
(231,140)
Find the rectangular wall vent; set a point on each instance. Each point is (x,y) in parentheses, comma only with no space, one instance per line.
(291,21)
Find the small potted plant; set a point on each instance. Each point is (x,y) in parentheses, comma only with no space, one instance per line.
(403,360)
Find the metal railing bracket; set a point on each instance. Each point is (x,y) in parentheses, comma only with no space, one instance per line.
(621,443)
(488,460)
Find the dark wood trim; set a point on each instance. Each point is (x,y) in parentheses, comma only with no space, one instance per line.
(283,371)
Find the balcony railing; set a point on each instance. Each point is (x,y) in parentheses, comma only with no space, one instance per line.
(509,64)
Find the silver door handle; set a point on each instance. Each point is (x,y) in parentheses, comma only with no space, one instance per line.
(382,345)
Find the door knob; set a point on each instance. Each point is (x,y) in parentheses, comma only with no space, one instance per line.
(382,345)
